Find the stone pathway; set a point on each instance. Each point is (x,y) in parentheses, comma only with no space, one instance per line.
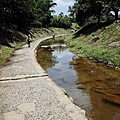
(27,92)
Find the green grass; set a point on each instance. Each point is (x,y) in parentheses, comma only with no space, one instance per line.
(99,50)
(66,93)
(75,26)
(7,52)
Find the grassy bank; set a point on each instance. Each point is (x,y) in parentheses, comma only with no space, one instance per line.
(102,44)
(6,52)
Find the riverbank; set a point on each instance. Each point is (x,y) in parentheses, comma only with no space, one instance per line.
(28,93)
(100,43)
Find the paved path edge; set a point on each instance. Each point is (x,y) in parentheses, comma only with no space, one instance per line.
(78,112)
(36,72)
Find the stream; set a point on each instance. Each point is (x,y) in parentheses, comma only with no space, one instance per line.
(93,86)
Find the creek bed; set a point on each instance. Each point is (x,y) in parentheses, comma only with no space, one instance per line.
(93,87)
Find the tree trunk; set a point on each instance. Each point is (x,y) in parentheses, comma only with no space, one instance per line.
(98,17)
(116,13)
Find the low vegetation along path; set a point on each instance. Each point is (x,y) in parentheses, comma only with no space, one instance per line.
(27,93)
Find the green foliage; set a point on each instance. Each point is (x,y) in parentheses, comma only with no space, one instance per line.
(16,12)
(26,13)
(66,93)
(84,11)
(61,21)
(43,13)
(75,26)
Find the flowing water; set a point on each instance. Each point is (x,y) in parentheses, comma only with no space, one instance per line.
(93,87)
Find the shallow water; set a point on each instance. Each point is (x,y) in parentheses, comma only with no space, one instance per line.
(91,85)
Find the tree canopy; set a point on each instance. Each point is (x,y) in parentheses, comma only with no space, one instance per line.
(26,13)
(38,13)
(96,10)
(61,21)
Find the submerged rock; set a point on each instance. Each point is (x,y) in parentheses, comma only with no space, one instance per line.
(112,98)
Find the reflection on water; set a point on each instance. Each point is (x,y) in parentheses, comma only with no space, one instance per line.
(96,84)
(101,82)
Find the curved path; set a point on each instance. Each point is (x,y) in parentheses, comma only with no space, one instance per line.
(27,92)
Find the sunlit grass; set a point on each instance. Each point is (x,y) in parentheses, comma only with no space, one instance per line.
(7,52)
(100,50)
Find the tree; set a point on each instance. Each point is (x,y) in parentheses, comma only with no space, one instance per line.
(83,10)
(43,12)
(26,13)
(17,12)
(61,20)
(115,6)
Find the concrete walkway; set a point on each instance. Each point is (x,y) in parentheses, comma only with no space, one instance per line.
(27,92)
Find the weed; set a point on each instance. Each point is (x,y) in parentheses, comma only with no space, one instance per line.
(66,93)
